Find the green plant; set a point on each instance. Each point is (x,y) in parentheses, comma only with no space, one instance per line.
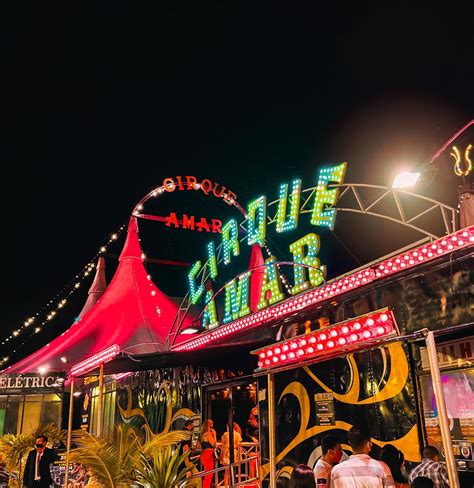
(161,467)
(119,463)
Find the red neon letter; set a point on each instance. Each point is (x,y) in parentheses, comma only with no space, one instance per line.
(191,182)
(231,196)
(172,220)
(208,188)
(168,184)
(180,183)
(188,222)
(216,225)
(203,225)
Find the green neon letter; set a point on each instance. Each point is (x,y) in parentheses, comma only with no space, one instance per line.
(209,315)
(271,285)
(237,301)
(285,223)
(257,221)
(195,293)
(315,271)
(230,240)
(211,260)
(323,212)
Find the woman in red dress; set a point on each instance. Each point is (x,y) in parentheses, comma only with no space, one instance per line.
(207,443)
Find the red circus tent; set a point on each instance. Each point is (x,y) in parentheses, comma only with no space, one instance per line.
(132,311)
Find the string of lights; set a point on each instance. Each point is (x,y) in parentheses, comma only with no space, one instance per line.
(56,304)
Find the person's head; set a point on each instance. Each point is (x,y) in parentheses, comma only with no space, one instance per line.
(237,428)
(207,426)
(430,452)
(331,447)
(189,425)
(302,477)
(422,482)
(41,442)
(359,440)
(254,412)
(283,482)
(394,459)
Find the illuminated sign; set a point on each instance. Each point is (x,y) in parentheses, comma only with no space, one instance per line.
(342,337)
(459,170)
(307,269)
(208,187)
(190,222)
(24,383)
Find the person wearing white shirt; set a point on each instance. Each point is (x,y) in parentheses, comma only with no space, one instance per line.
(332,454)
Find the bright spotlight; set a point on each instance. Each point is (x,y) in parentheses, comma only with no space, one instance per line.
(405,180)
(42,370)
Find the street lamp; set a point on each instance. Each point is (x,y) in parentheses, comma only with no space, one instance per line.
(405,180)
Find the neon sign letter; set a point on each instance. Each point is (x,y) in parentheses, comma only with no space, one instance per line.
(237,301)
(195,293)
(211,260)
(285,224)
(322,215)
(315,272)
(271,285)
(209,316)
(257,221)
(230,240)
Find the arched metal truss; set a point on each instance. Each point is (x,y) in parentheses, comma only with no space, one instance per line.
(383,195)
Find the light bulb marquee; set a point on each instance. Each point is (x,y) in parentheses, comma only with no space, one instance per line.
(342,337)
(307,269)
(96,360)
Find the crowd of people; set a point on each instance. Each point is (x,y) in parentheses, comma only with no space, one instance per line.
(362,470)
(334,469)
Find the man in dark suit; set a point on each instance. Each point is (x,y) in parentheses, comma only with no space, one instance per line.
(37,470)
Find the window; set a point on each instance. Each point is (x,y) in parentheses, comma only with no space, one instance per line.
(21,414)
(108,410)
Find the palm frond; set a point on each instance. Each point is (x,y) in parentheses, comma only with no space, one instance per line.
(163,468)
(98,455)
(13,449)
(165,440)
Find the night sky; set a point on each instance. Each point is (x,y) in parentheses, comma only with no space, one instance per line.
(102,101)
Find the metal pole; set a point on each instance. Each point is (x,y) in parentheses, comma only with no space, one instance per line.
(100,407)
(441,405)
(230,423)
(271,429)
(69,432)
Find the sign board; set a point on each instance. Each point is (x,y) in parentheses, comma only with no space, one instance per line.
(17,384)
(459,353)
(458,387)
(325,409)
